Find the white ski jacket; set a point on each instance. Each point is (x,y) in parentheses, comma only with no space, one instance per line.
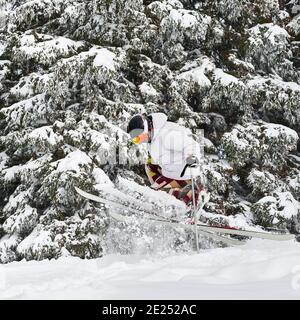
(169,147)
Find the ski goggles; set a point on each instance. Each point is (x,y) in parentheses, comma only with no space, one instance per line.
(138,136)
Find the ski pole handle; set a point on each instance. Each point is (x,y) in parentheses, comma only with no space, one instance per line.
(183,171)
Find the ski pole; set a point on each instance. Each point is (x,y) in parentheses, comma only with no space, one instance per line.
(195,213)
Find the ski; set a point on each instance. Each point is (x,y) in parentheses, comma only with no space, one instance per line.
(119,195)
(228,241)
(203,227)
(248,233)
(153,218)
(112,203)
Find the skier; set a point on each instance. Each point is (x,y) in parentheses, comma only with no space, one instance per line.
(174,156)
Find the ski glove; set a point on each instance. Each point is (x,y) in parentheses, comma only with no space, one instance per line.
(192,161)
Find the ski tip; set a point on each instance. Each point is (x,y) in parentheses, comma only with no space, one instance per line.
(285,237)
(79,191)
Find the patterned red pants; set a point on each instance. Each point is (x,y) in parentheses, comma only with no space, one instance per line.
(181,189)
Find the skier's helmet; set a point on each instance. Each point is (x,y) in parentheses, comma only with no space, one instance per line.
(137,125)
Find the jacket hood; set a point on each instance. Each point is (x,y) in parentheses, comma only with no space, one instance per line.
(159,119)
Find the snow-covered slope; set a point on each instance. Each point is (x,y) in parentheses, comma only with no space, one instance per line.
(259,270)
(73,72)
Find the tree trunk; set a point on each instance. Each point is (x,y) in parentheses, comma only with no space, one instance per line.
(281,4)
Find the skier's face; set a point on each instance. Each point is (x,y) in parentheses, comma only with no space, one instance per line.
(144,137)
